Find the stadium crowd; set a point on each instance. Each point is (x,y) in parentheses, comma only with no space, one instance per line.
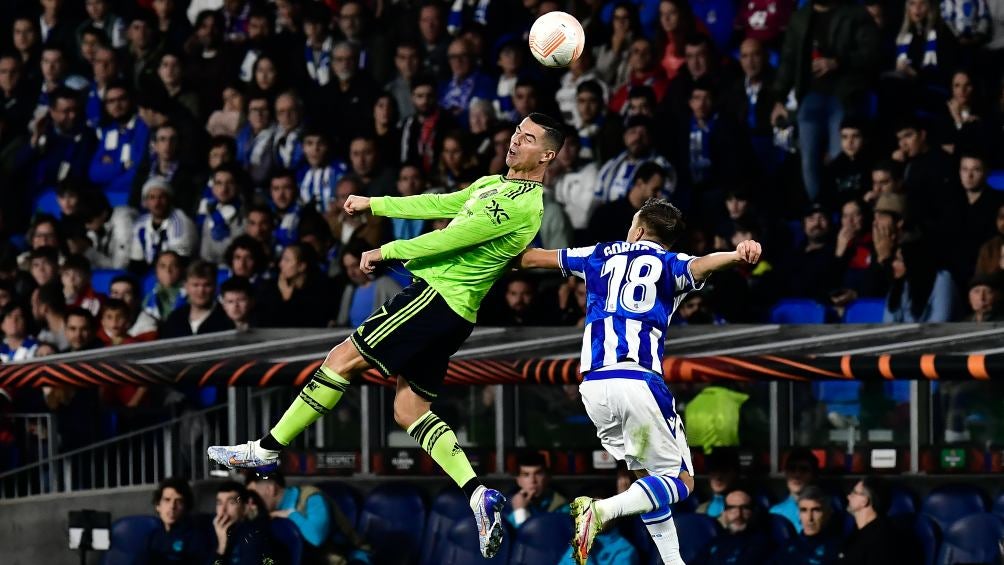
(172,168)
(872,521)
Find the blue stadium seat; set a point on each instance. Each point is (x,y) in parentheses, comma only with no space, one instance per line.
(865,311)
(697,530)
(948,503)
(286,534)
(542,539)
(928,536)
(392,520)
(780,528)
(46,203)
(996,179)
(345,498)
(116,199)
(797,311)
(902,502)
(999,505)
(460,545)
(973,539)
(129,539)
(634,530)
(449,506)
(101,279)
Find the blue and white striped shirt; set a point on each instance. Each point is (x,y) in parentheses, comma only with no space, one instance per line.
(632,291)
(617,175)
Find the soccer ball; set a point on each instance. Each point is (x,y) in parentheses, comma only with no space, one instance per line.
(557,39)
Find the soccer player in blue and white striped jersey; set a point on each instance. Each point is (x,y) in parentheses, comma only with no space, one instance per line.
(633,287)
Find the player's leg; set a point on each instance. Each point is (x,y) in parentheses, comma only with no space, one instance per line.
(417,387)
(316,399)
(641,409)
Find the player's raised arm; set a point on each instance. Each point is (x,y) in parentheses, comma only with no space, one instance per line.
(747,251)
(417,207)
(539,259)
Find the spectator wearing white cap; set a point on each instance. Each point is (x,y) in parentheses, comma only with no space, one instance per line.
(162,228)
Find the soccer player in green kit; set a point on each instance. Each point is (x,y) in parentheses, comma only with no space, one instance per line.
(416,332)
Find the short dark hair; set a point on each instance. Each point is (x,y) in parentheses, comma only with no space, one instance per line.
(49,253)
(237,284)
(248,243)
(423,81)
(84,313)
(201,270)
(224,141)
(879,494)
(129,280)
(282,173)
(554,131)
(77,263)
(894,168)
(178,484)
(648,170)
(662,218)
(233,486)
(114,304)
(591,86)
(970,154)
(65,93)
(532,459)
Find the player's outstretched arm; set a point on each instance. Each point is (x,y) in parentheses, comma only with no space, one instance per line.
(417,207)
(460,234)
(746,252)
(539,259)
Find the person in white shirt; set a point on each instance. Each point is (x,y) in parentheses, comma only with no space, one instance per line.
(574,189)
(163,227)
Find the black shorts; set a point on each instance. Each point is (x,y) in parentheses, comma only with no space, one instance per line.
(413,335)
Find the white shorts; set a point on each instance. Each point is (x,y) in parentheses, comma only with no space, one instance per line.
(636,420)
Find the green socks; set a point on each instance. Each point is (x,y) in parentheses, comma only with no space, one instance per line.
(316,399)
(438,440)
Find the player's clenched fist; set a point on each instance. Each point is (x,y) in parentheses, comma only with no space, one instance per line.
(356,204)
(749,251)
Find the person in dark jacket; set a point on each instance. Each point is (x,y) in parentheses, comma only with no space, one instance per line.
(827,58)
(178,540)
(241,526)
(744,540)
(298,297)
(875,541)
(202,314)
(820,540)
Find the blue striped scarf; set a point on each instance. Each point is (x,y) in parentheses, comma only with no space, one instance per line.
(930,49)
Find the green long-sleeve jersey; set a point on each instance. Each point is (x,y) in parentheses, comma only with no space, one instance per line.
(494,219)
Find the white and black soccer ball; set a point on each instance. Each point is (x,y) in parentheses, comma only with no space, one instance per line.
(557,39)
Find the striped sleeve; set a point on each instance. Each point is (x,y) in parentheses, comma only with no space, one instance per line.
(678,264)
(572,260)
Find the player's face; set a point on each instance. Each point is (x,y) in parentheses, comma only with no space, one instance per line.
(533,480)
(230,504)
(526,147)
(813,516)
(171,506)
(738,511)
(972,173)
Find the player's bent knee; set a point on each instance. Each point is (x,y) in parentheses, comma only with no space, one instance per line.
(346,360)
(408,407)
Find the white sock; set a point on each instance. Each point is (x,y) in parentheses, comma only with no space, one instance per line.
(476,497)
(262,453)
(666,541)
(628,503)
